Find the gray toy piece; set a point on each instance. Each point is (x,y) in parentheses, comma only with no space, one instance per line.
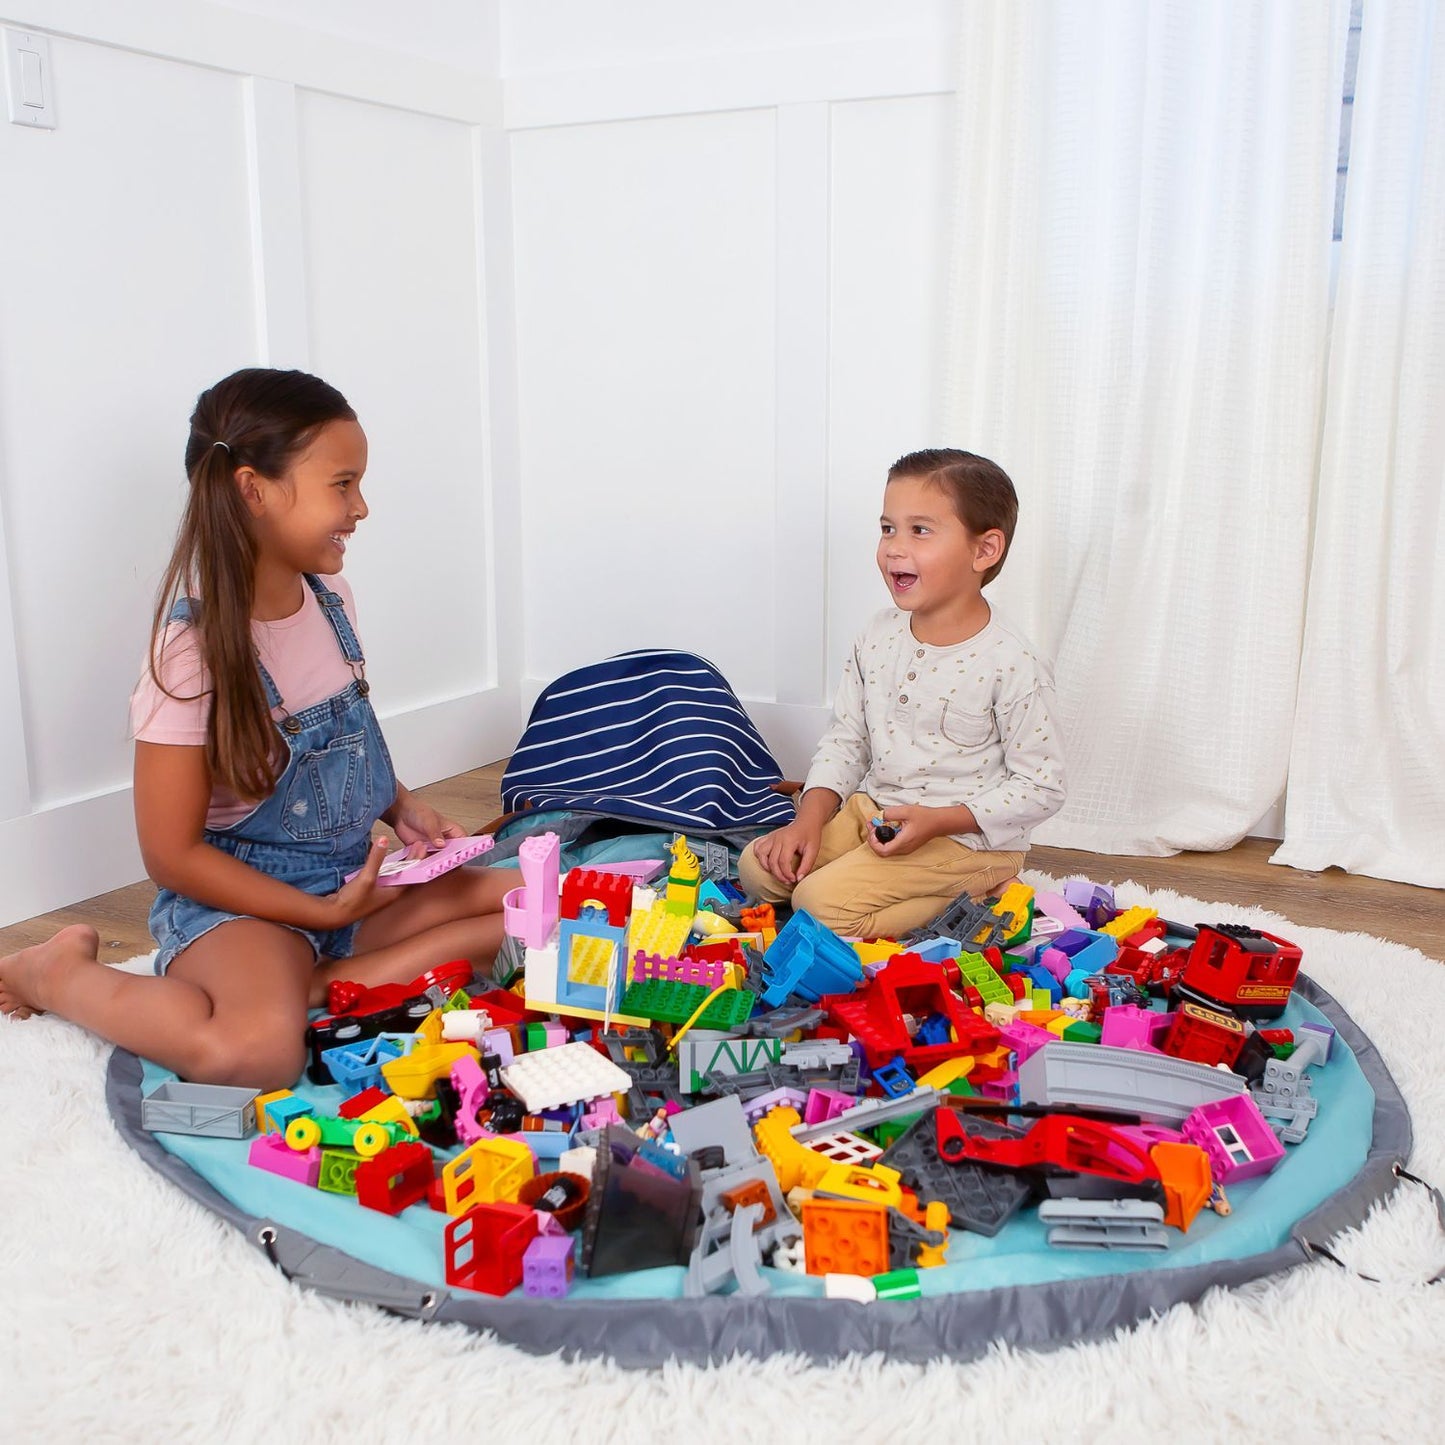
(1285,1096)
(1157,1087)
(213,1111)
(1104,1224)
(732,1242)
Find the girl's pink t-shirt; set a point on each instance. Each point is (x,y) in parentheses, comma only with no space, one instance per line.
(300,652)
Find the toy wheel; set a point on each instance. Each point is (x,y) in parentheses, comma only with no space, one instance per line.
(370,1139)
(303,1134)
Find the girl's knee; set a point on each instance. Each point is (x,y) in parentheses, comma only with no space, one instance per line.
(246,1059)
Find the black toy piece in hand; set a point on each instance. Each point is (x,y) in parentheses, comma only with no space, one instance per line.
(883,832)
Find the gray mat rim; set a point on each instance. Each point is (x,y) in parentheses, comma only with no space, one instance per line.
(642,1333)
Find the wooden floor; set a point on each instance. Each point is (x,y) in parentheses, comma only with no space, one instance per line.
(1243,875)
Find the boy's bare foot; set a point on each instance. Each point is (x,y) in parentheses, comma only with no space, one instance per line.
(28,979)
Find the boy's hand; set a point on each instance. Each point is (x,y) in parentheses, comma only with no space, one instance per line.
(360,897)
(789,852)
(913,825)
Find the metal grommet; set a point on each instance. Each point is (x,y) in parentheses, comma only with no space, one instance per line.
(428,1301)
(267,1235)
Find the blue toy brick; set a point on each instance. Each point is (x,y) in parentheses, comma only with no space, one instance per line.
(810,961)
(894,1079)
(281,1112)
(357,1066)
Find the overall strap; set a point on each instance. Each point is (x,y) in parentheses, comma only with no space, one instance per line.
(335,610)
(186,609)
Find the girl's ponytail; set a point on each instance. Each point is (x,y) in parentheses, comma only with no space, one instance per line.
(262,419)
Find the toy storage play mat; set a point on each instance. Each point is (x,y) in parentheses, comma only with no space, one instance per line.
(686,1131)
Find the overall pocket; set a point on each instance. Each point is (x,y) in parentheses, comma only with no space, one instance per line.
(329,792)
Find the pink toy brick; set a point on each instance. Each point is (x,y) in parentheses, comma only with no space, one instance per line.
(1236,1136)
(272,1153)
(547,1266)
(640,871)
(707,971)
(471,1086)
(1127,1026)
(399,869)
(1054,906)
(530,912)
(825,1104)
(602,1113)
(1056,961)
(1025,1040)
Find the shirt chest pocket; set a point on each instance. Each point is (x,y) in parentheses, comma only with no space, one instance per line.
(966,729)
(330,791)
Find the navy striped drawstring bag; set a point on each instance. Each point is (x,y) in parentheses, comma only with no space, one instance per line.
(651,736)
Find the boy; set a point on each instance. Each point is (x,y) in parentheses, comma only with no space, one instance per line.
(942,728)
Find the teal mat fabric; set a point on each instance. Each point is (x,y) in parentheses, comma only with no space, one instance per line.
(1264,1210)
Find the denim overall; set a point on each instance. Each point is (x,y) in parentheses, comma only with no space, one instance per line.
(315,827)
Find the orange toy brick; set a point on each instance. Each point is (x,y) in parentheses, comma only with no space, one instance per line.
(841,1236)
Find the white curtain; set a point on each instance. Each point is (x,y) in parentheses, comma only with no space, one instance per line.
(1367,771)
(1137,333)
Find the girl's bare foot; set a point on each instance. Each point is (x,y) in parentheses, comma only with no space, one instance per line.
(29,979)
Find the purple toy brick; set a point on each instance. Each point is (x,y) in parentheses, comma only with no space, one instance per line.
(273,1154)
(547,1266)
(1055,906)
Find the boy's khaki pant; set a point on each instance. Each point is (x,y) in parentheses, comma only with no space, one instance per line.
(859,895)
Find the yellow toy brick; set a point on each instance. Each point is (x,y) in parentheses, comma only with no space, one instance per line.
(1129,922)
(491,1171)
(414,1075)
(1013,906)
(793,1163)
(935,1217)
(263,1122)
(393,1111)
(866,1183)
(875,950)
(950,1071)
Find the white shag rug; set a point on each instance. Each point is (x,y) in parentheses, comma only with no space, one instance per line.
(128,1312)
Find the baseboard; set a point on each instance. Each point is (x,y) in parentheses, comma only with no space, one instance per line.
(78,848)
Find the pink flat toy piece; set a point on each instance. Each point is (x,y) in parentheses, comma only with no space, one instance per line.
(643,870)
(399,868)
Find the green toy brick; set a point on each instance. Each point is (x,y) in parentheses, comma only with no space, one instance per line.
(897,1284)
(728,1010)
(461,999)
(978,971)
(1026,928)
(338,1171)
(663,1000)
(1083,1033)
(666,1001)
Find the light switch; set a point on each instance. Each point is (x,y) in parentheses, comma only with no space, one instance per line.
(29,79)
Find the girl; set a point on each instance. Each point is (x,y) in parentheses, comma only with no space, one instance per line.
(260,769)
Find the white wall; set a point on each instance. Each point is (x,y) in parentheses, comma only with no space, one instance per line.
(729,276)
(225,188)
(636,300)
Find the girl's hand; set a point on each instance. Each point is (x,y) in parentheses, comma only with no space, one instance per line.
(417,822)
(913,823)
(360,897)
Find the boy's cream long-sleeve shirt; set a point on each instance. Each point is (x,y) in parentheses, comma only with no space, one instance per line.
(972,723)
